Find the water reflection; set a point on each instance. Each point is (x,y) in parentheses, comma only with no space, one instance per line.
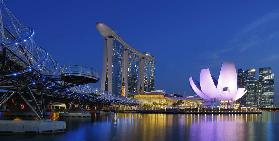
(163,127)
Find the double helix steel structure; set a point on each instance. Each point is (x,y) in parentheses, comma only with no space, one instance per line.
(29,73)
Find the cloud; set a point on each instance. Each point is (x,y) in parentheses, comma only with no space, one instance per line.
(261,21)
(271,58)
(261,33)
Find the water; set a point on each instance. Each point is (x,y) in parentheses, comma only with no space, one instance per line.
(165,127)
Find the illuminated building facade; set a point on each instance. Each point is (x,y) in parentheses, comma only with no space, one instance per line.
(148,68)
(251,85)
(241,75)
(160,100)
(223,89)
(266,87)
(124,67)
(260,91)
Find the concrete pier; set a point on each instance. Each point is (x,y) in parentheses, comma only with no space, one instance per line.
(32,126)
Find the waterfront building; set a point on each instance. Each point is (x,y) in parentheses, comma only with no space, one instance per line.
(241,75)
(124,67)
(155,99)
(161,100)
(148,72)
(260,91)
(266,89)
(251,85)
(213,91)
(240,78)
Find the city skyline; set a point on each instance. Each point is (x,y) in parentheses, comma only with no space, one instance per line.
(259,85)
(178,37)
(122,70)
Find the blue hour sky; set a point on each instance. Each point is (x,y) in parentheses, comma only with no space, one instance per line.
(184,36)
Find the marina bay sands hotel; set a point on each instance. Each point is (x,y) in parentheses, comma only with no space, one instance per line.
(125,70)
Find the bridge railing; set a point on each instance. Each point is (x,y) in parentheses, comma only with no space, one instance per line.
(79,71)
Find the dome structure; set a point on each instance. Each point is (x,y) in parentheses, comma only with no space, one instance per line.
(223,89)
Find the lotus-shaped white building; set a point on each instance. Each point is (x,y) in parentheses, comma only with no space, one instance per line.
(225,89)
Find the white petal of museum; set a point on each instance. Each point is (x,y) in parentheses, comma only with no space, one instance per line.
(223,89)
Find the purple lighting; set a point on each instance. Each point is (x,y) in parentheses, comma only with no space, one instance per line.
(225,89)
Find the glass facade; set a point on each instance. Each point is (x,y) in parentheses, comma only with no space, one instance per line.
(126,70)
(266,80)
(247,79)
(260,92)
(241,75)
(117,69)
(149,71)
(251,87)
(133,72)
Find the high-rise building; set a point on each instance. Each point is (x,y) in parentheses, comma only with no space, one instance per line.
(260,92)
(251,84)
(266,80)
(124,67)
(241,77)
(147,69)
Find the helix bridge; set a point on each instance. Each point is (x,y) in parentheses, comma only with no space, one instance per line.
(28,73)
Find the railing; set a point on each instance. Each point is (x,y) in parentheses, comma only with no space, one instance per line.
(79,71)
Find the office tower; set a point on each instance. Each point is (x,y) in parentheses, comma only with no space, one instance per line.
(260,92)
(266,80)
(247,79)
(241,76)
(148,68)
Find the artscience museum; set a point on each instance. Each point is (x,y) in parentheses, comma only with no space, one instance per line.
(223,89)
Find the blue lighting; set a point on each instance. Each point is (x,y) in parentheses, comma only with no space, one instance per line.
(33,33)
(29,69)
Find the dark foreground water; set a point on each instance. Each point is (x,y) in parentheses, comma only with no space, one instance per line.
(162,127)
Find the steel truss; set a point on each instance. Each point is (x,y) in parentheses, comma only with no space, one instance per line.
(30,73)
